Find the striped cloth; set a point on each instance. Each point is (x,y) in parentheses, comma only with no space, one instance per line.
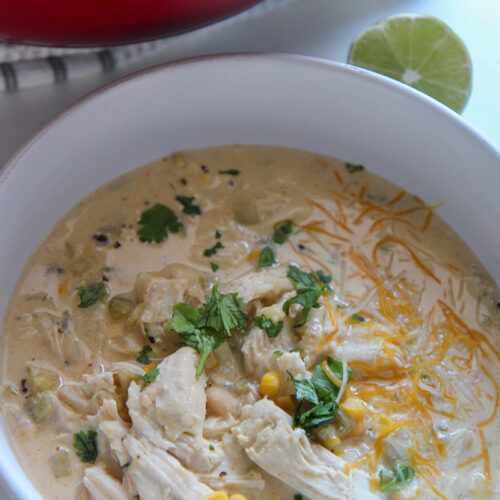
(23,66)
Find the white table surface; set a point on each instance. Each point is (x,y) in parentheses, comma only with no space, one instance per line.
(320,28)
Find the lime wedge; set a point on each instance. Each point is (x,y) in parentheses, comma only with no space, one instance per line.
(420,51)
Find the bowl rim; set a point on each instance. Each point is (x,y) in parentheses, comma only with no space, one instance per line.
(335,66)
(16,488)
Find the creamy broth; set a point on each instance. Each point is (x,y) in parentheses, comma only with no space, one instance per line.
(409,313)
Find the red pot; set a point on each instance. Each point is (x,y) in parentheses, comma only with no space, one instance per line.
(102,22)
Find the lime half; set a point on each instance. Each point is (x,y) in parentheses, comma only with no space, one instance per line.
(420,51)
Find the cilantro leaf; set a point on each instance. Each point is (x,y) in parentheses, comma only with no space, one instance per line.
(214,266)
(85,444)
(403,474)
(223,312)
(206,328)
(208,252)
(188,206)
(267,257)
(324,278)
(231,171)
(156,222)
(318,415)
(150,376)
(272,329)
(309,287)
(307,300)
(352,168)
(337,368)
(218,235)
(204,341)
(302,280)
(91,294)
(304,390)
(185,318)
(281,232)
(317,397)
(143,357)
(357,317)
(325,388)
(298,496)
(278,354)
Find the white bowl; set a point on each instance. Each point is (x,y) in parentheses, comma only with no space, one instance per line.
(282,100)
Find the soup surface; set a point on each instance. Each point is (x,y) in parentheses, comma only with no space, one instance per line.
(255,322)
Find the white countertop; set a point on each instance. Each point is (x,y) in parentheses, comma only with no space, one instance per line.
(320,28)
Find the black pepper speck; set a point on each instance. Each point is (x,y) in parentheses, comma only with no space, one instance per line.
(101,238)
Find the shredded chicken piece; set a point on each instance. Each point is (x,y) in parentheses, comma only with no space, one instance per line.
(157,475)
(102,486)
(269,284)
(170,412)
(159,296)
(267,436)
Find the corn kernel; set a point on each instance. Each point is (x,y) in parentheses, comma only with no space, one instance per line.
(286,403)
(331,442)
(270,384)
(354,407)
(217,495)
(327,437)
(151,366)
(237,496)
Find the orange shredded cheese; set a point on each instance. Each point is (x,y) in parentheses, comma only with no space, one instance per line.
(391,239)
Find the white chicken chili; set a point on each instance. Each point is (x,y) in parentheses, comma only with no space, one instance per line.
(254,323)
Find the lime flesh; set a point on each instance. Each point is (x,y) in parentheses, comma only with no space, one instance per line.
(422,52)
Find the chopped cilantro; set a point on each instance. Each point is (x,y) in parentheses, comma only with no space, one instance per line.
(313,410)
(352,168)
(150,376)
(85,444)
(295,349)
(188,206)
(218,234)
(324,278)
(357,317)
(156,222)
(146,332)
(231,171)
(211,447)
(208,252)
(91,294)
(281,232)
(267,257)
(403,474)
(309,287)
(214,266)
(305,390)
(206,328)
(317,397)
(272,329)
(143,357)
(278,354)
(298,496)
